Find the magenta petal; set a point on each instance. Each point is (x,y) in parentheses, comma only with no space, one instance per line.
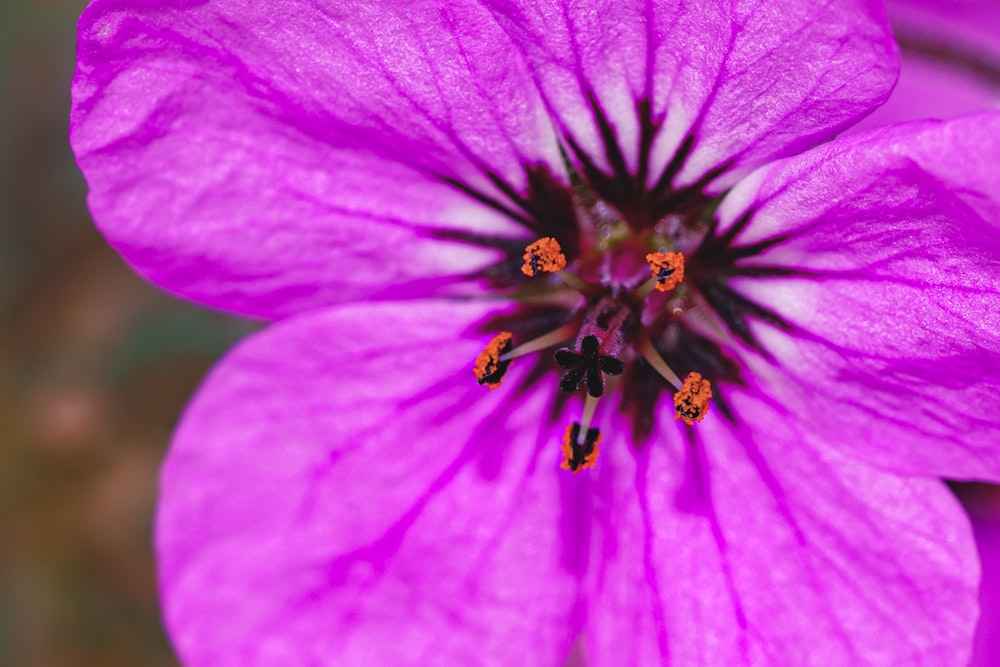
(833,561)
(964,27)
(658,588)
(929,88)
(748,548)
(342,492)
(748,80)
(950,52)
(894,348)
(267,158)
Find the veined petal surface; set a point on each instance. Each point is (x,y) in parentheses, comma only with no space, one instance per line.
(658,592)
(266,158)
(342,492)
(743,546)
(894,349)
(749,80)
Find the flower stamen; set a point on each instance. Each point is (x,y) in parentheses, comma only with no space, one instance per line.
(668,272)
(551,339)
(654,359)
(589,408)
(490,366)
(543,256)
(579,455)
(691,402)
(580,442)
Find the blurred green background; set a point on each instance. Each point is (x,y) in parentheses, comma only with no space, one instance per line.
(95,367)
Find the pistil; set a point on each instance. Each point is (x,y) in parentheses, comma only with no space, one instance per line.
(600,347)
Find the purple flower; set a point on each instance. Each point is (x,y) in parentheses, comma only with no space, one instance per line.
(384,181)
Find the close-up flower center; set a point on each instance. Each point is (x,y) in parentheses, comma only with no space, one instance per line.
(634,301)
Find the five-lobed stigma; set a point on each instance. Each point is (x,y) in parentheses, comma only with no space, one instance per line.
(587,367)
(605,334)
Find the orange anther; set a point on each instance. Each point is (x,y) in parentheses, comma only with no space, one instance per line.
(667,268)
(489,368)
(543,256)
(577,456)
(691,402)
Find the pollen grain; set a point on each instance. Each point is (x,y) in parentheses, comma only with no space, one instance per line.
(667,268)
(691,402)
(543,256)
(489,368)
(577,456)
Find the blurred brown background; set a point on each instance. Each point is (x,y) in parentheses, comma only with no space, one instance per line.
(95,367)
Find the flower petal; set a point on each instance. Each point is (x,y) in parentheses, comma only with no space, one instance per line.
(658,588)
(950,51)
(341,491)
(929,88)
(747,80)
(746,548)
(270,158)
(836,562)
(894,348)
(966,26)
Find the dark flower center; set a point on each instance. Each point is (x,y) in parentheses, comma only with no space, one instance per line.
(630,283)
